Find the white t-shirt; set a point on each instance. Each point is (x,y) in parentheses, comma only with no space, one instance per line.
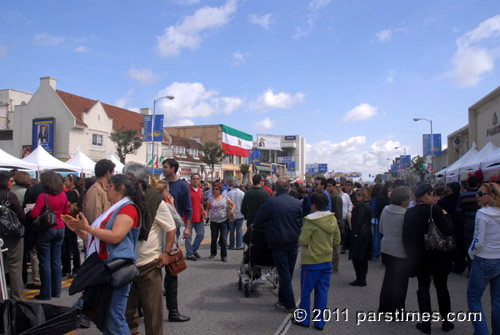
(148,251)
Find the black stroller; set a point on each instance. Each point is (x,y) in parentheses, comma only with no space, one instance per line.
(257,264)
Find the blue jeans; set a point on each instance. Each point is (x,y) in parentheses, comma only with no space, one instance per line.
(484,271)
(116,323)
(48,247)
(377,238)
(319,280)
(238,226)
(199,228)
(284,260)
(215,229)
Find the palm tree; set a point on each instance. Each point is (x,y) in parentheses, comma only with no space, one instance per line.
(212,155)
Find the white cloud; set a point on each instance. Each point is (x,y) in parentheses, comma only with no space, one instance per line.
(3,50)
(188,33)
(124,100)
(82,49)
(473,57)
(314,9)
(239,58)
(362,112)
(183,122)
(391,77)
(353,155)
(143,76)
(265,124)
(384,35)
(46,39)
(281,100)
(193,101)
(263,20)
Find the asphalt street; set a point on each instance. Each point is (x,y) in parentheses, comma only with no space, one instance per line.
(209,294)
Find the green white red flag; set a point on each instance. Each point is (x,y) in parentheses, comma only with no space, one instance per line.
(236,142)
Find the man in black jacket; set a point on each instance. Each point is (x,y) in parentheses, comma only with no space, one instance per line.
(283,216)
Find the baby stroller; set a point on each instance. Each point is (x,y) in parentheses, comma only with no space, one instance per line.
(257,264)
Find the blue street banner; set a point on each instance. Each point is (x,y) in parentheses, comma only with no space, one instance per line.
(275,169)
(290,166)
(405,161)
(310,171)
(158,131)
(426,139)
(43,133)
(254,156)
(285,159)
(322,168)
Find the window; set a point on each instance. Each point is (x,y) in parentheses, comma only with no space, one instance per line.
(97,140)
(237,160)
(180,151)
(193,152)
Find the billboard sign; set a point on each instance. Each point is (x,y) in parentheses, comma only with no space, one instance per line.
(290,166)
(405,161)
(322,168)
(290,138)
(426,138)
(158,131)
(285,159)
(43,133)
(269,142)
(254,157)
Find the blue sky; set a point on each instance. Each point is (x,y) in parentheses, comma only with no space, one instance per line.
(348,75)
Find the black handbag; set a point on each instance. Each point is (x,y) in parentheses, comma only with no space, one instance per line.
(123,271)
(46,220)
(435,240)
(10,225)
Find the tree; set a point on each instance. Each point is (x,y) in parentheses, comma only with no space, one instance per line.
(126,142)
(417,165)
(212,154)
(244,169)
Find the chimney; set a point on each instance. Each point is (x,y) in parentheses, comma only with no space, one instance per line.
(146,111)
(51,81)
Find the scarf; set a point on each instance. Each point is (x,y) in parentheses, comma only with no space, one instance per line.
(93,242)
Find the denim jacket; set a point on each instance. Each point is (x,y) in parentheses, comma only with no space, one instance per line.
(126,248)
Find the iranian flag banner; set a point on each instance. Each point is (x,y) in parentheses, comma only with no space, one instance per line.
(235,142)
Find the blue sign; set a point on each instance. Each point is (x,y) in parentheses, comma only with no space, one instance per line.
(405,161)
(254,156)
(157,171)
(158,133)
(290,138)
(322,168)
(285,159)
(275,169)
(43,133)
(290,166)
(427,144)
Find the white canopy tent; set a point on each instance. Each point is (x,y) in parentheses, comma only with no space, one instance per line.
(475,163)
(10,162)
(45,161)
(119,165)
(82,161)
(452,171)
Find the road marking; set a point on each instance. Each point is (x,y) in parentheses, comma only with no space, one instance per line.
(285,325)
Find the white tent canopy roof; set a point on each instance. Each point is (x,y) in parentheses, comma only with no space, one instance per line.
(45,161)
(491,159)
(475,163)
(119,166)
(9,161)
(82,161)
(454,168)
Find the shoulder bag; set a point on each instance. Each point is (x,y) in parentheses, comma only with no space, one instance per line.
(10,225)
(435,240)
(176,264)
(230,218)
(47,218)
(123,271)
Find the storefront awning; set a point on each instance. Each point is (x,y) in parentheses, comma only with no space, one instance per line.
(263,168)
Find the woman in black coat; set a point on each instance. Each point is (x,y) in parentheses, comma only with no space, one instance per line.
(360,243)
(428,264)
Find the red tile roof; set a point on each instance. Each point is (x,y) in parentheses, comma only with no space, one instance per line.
(120,116)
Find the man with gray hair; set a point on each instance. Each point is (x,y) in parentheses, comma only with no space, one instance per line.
(236,196)
(282,218)
(156,220)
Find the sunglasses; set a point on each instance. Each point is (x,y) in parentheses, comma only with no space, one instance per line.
(481,193)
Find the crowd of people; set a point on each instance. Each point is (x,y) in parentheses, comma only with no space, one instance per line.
(128,216)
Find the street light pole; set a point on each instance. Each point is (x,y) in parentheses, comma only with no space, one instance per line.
(432,143)
(169,97)
(401,148)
